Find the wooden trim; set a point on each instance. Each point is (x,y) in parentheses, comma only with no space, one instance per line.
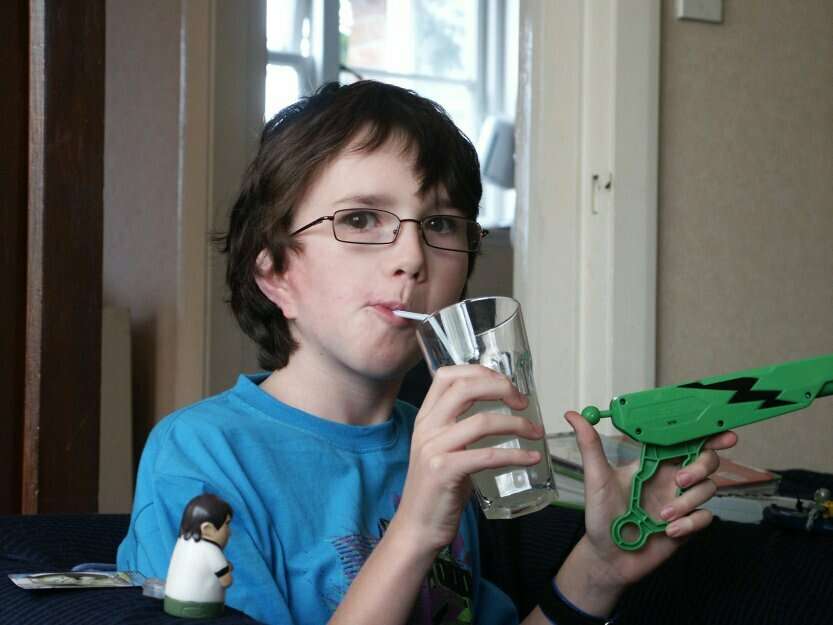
(195,201)
(585,251)
(63,336)
(238,101)
(34,273)
(14,113)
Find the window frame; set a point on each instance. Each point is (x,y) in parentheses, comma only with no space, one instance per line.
(488,88)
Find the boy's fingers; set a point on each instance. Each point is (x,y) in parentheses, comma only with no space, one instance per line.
(473,460)
(471,430)
(724,440)
(691,499)
(443,378)
(694,522)
(590,445)
(462,391)
(705,464)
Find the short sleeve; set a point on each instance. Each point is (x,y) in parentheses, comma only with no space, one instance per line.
(217,561)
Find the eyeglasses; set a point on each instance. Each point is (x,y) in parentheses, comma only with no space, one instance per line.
(372,226)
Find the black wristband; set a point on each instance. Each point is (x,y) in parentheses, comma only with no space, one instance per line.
(558,609)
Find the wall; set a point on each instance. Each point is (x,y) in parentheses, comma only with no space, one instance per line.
(237,122)
(141,153)
(493,272)
(746,207)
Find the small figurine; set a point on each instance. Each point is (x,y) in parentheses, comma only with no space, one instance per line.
(822,507)
(814,516)
(199,573)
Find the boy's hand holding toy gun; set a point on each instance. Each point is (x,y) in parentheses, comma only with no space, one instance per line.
(675,421)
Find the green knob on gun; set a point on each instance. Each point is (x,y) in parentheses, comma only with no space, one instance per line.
(592,414)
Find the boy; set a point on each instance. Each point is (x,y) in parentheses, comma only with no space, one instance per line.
(362,200)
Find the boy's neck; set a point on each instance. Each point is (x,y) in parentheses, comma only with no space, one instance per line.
(345,399)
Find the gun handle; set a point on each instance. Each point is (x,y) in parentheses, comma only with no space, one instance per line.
(636,521)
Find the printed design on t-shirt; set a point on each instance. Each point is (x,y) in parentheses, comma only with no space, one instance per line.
(445,597)
(353,551)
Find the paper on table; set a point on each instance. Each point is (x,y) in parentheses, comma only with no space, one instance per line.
(77,579)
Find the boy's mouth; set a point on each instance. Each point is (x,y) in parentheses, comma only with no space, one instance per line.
(385,310)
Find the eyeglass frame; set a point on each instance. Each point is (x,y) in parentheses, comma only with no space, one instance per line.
(483,231)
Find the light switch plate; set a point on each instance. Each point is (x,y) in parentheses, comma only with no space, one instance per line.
(700,10)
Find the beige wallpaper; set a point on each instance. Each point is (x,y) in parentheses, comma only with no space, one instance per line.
(141,143)
(746,207)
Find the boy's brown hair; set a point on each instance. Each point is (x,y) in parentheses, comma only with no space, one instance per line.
(295,146)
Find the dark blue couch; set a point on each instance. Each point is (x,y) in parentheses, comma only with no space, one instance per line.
(30,544)
(730,574)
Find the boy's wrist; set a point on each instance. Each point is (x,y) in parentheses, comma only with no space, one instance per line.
(559,610)
(588,583)
(410,544)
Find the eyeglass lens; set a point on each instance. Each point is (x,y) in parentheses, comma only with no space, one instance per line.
(372,226)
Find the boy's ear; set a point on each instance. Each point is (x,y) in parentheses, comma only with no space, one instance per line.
(206,526)
(274,286)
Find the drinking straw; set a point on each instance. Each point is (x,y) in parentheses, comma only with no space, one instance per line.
(435,325)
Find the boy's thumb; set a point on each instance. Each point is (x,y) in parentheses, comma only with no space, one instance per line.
(589,445)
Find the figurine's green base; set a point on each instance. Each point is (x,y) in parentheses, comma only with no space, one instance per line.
(192,609)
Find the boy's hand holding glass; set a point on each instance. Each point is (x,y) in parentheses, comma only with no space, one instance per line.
(489,331)
(479,356)
(438,486)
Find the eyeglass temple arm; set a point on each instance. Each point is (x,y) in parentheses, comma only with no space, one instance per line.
(310,225)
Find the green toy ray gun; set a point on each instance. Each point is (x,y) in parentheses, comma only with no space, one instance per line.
(675,421)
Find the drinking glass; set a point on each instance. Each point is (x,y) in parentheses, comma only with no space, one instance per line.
(490,331)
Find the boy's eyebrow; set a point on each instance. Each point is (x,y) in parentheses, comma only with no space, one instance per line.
(367,199)
(382,200)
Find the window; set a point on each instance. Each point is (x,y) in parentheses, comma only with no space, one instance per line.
(289,69)
(447,50)
(430,46)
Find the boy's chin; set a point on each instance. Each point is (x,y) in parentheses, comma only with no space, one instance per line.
(392,370)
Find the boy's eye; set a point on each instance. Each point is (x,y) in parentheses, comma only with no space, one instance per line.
(442,225)
(358,219)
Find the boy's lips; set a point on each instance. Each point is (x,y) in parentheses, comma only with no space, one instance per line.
(385,309)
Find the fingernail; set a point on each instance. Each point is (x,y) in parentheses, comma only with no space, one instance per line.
(533,455)
(674,530)
(684,479)
(667,513)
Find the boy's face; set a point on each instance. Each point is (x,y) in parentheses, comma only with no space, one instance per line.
(338,296)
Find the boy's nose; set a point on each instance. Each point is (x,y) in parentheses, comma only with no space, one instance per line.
(409,248)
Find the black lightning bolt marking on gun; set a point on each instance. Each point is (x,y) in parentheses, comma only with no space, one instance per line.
(674,422)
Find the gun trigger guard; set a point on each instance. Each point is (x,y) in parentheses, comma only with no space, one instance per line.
(643,524)
(636,516)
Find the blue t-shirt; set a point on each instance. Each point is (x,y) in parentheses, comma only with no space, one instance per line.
(311,498)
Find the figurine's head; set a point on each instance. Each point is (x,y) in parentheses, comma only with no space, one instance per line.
(206,516)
